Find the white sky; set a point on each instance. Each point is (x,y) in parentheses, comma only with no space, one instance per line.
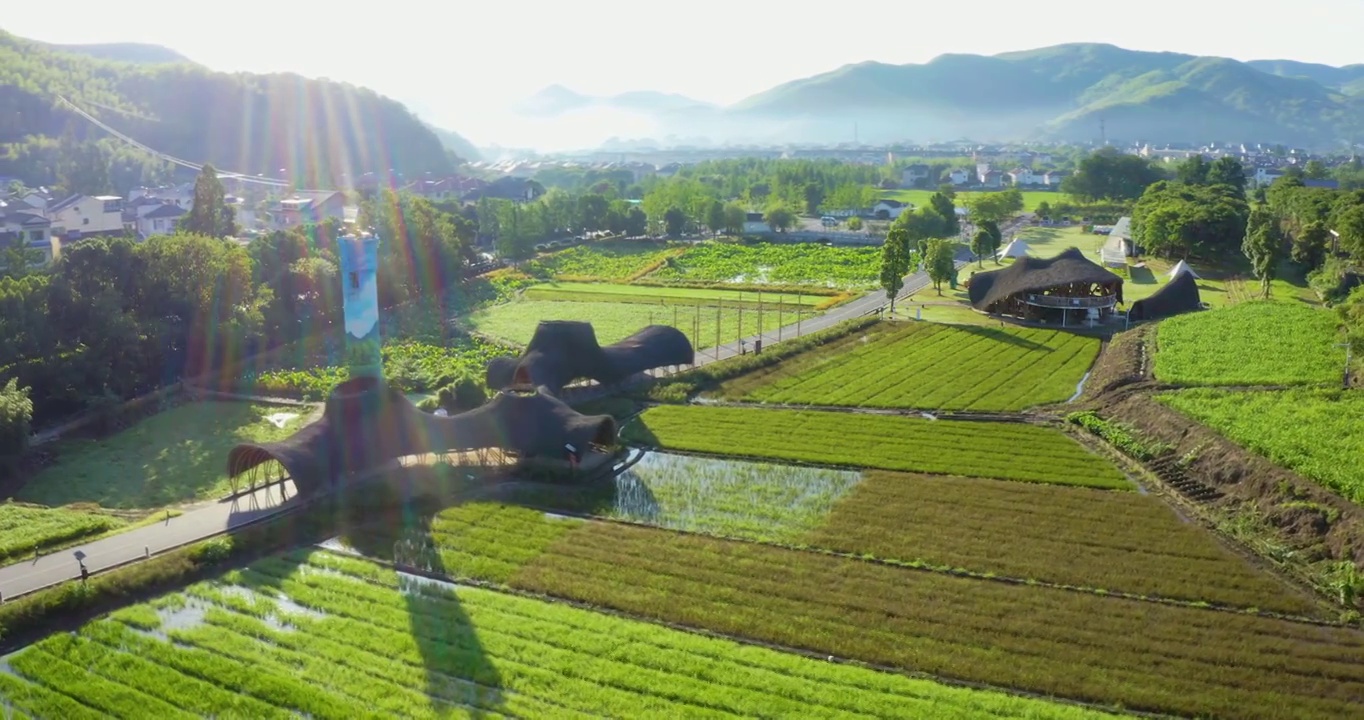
(460,63)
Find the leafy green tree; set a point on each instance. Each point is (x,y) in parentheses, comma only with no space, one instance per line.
(715,217)
(994,207)
(947,210)
(82,167)
(1347,218)
(674,221)
(1316,170)
(854,223)
(592,209)
(16,416)
(981,243)
(1309,246)
(735,217)
(996,237)
(894,264)
(1044,210)
(940,259)
(1176,220)
(1263,245)
(1193,171)
(779,218)
(1109,174)
(1227,170)
(814,196)
(210,214)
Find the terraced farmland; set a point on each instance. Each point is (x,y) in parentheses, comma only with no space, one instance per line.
(614,321)
(1313,431)
(24,528)
(1251,343)
(326,636)
(928,366)
(1010,451)
(1080,645)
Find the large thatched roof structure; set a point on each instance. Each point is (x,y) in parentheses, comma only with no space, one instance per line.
(563,350)
(366,423)
(1039,276)
(1180,295)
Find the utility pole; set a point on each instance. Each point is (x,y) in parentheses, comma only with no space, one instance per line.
(1347,363)
(1103,133)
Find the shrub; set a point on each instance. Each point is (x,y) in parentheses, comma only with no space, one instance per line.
(1120,436)
(16,415)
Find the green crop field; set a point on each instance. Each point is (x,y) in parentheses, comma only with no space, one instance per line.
(751,501)
(1252,343)
(809,264)
(614,321)
(662,295)
(929,366)
(1009,451)
(326,636)
(171,457)
(1031,198)
(1065,643)
(1316,432)
(1114,541)
(410,366)
(23,528)
(603,261)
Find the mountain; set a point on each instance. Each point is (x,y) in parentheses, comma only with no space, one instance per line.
(559,100)
(1065,93)
(455,143)
(136,53)
(317,131)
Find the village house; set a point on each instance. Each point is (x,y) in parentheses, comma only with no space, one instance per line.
(888,209)
(1054,178)
(992,179)
(914,176)
(959,176)
(307,209)
(159,220)
(17,224)
(82,216)
(1023,176)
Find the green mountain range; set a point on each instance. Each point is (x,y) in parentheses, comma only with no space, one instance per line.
(1065,92)
(315,133)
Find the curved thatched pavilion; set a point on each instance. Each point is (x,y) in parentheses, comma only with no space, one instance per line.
(1066,289)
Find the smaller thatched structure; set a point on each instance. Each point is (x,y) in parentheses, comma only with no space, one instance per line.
(1066,288)
(564,350)
(1180,295)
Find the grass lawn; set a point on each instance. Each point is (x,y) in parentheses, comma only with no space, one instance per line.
(1031,198)
(1253,343)
(928,366)
(614,321)
(176,456)
(1313,431)
(326,636)
(1008,451)
(23,527)
(609,292)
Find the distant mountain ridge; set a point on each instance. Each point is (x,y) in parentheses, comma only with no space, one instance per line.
(1071,92)
(135,53)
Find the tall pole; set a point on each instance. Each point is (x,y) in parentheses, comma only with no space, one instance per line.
(674,316)
(1347,363)
(741,319)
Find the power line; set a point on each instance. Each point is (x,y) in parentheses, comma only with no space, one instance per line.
(170,158)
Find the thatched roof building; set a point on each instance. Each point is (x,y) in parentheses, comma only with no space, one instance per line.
(1066,288)
(563,350)
(1180,295)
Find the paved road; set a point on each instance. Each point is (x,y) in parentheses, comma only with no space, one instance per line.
(28,576)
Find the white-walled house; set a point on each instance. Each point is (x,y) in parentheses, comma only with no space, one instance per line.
(890,208)
(1053,178)
(1265,176)
(82,215)
(1024,176)
(159,220)
(959,176)
(33,229)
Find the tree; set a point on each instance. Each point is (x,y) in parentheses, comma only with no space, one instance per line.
(1263,245)
(82,167)
(1176,220)
(210,214)
(854,223)
(780,218)
(981,243)
(996,237)
(592,209)
(636,222)
(674,221)
(1309,246)
(940,259)
(995,206)
(814,195)
(1044,210)
(894,264)
(715,217)
(1109,174)
(1193,171)
(1315,170)
(1227,170)
(735,217)
(16,415)
(946,209)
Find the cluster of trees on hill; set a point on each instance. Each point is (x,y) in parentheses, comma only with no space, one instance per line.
(248,123)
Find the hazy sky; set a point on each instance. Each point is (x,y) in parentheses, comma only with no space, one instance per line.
(458,64)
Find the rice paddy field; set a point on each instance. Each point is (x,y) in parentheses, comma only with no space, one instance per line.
(614,321)
(809,264)
(175,456)
(928,366)
(1250,343)
(1009,451)
(1316,432)
(25,529)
